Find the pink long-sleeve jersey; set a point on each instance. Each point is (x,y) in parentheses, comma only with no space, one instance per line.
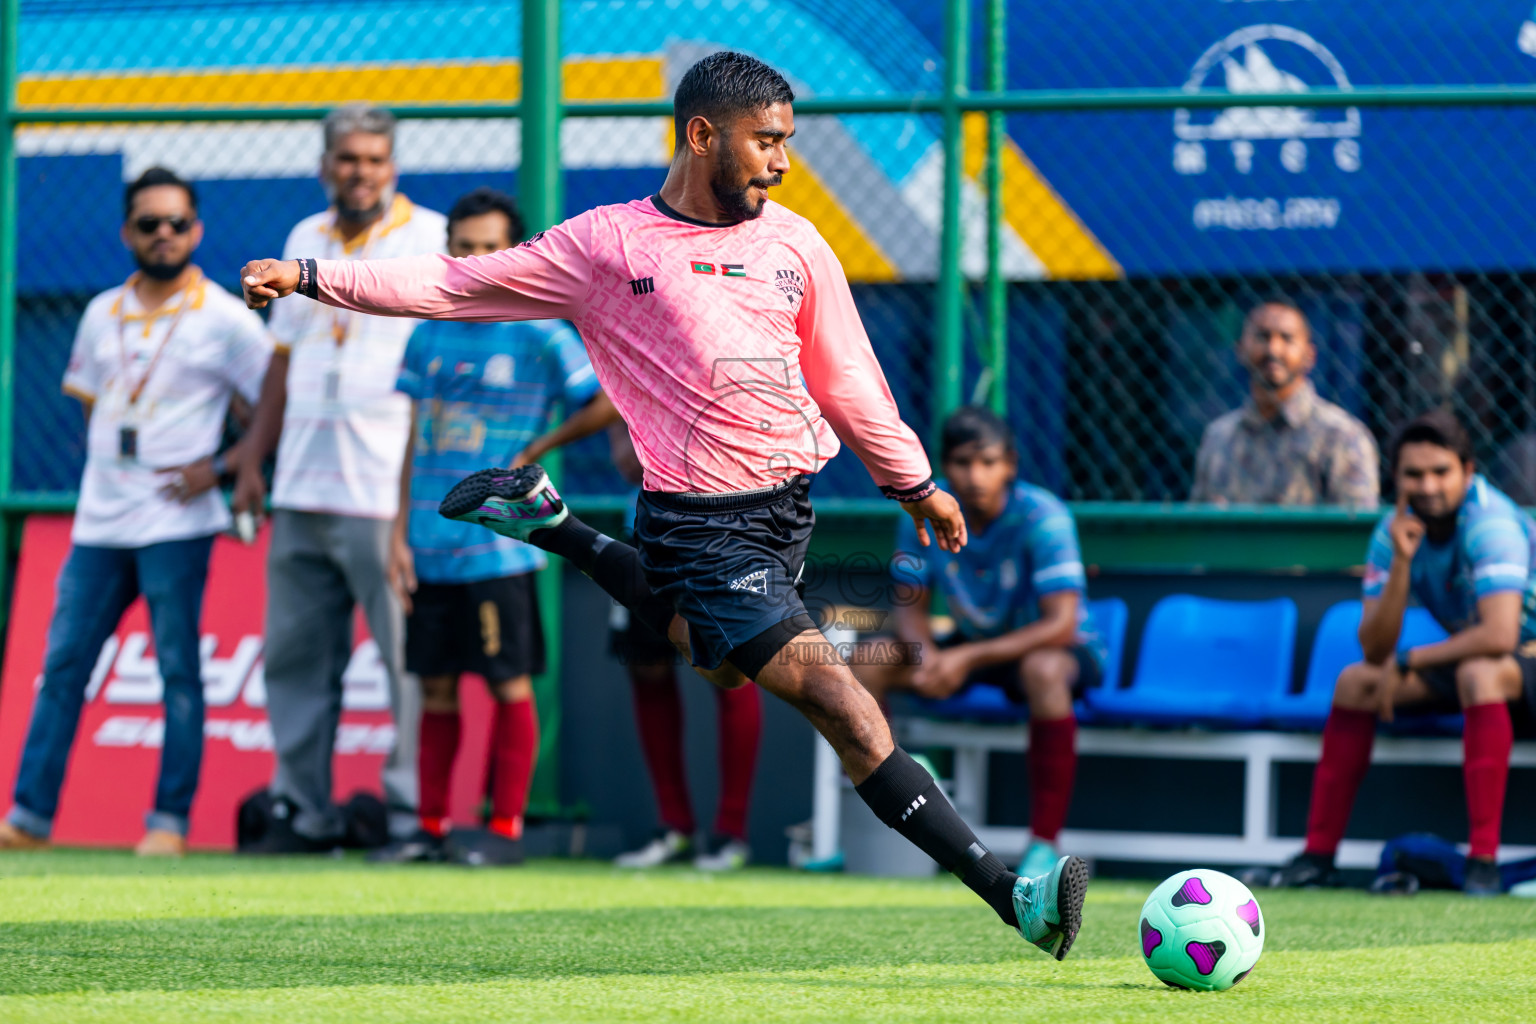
(733,352)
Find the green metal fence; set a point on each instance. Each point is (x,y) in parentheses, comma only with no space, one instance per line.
(1108,373)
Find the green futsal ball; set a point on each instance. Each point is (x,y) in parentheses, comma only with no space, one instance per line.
(1201,930)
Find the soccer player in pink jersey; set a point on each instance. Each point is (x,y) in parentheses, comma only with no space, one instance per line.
(721,326)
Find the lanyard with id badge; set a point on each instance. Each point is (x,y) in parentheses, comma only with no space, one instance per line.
(341,322)
(128,431)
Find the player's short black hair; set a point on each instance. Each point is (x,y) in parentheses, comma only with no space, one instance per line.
(1284,302)
(1438,427)
(724,85)
(488,200)
(149,179)
(971,424)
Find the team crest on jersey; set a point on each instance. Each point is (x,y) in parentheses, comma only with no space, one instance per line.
(498,371)
(790,285)
(753,582)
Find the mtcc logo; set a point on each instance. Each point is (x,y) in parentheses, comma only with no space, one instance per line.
(1266,59)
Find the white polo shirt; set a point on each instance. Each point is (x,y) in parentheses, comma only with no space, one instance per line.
(198,349)
(345,426)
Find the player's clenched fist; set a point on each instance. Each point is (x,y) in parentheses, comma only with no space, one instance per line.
(265,280)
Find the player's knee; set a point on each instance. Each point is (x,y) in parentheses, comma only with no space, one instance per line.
(513,691)
(1356,685)
(440,693)
(727,677)
(1479,681)
(1047,672)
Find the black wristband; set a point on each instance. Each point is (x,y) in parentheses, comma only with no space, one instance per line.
(309,285)
(1403,668)
(917,493)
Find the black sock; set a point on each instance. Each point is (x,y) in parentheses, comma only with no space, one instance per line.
(612,565)
(574,541)
(904,796)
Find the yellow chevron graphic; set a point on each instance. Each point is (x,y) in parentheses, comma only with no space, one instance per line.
(804,192)
(1037,214)
(438,82)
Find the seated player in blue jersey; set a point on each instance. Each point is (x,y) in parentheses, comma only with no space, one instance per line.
(1464,551)
(481,393)
(1017,595)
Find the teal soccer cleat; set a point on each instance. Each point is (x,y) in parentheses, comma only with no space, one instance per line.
(1050,907)
(512,502)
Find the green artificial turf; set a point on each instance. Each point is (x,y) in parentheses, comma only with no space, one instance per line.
(105,937)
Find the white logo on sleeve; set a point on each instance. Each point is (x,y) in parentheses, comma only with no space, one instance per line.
(498,371)
(753,582)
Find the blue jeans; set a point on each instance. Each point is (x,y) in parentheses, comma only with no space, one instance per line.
(95,588)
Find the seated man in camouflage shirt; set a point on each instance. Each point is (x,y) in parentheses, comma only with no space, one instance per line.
(1285,445)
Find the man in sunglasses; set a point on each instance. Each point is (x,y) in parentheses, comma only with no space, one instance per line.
(156,362)
(330,396)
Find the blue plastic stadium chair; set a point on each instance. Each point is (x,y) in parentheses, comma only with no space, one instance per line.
(1337,645)
(988,703)
(1205,662)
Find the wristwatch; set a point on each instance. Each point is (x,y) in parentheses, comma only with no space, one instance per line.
(1403,668)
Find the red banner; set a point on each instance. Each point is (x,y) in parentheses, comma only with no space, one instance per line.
(111,779)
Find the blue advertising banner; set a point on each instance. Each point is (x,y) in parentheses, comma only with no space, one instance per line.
(1240,190)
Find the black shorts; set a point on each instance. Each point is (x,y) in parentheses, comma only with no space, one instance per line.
(1005,675)
(632,642)
(729,563)
(490,627)
(1441,680)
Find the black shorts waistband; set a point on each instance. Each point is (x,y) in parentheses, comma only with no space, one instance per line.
(741,501)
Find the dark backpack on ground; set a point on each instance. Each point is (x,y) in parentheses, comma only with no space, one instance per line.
(366,820)
(252,819)
(1437,864)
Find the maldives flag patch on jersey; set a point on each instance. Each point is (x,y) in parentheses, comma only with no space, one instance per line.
(702,268)
(733,269)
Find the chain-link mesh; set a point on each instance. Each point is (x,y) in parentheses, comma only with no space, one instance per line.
(1133,243)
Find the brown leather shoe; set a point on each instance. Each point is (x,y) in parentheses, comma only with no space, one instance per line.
(157,842)
(13,838)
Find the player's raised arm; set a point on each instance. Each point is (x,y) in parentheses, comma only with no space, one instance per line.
(844,377)
(546,277)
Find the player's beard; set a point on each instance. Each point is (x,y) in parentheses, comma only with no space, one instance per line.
(354,216)
(1260,373)
(737,200)
(161,271)
(1437,526)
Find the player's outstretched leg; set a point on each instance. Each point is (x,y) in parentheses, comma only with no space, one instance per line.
(523,504)
(803,670)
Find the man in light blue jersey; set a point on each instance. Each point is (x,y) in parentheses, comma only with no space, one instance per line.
(1017,594)
(480,393)
(1466,553)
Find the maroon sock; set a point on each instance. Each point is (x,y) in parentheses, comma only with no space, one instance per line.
(1347,740)
(1052,763)
(434,767)
(659,714)
(1486,741)
(516,739)
(741,727)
